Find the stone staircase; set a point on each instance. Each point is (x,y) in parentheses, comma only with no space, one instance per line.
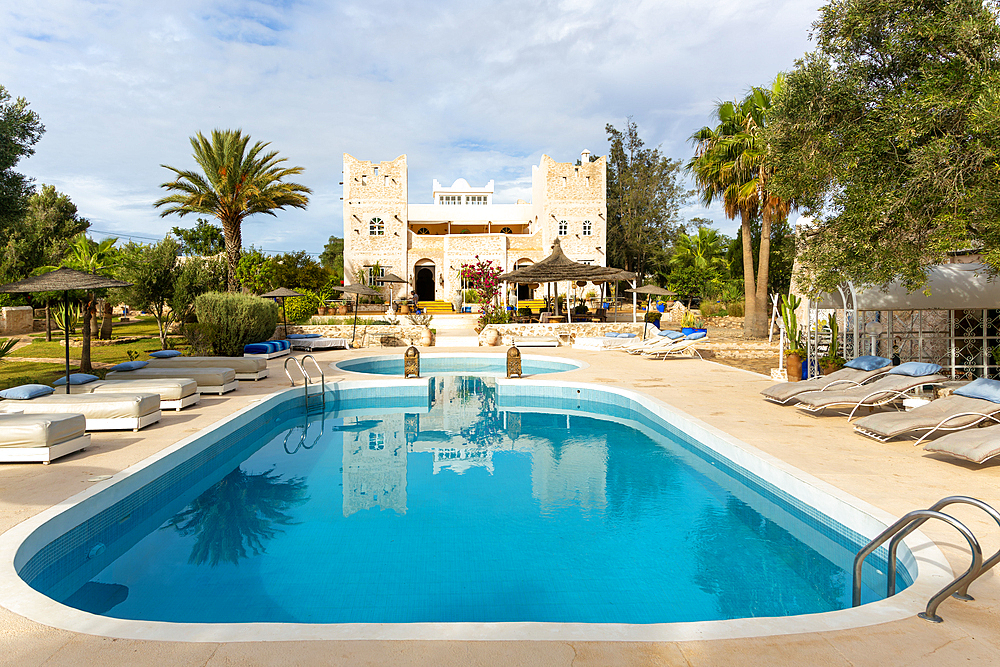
(436,307)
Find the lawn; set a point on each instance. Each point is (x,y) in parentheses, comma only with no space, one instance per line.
(113,353)
(14,373)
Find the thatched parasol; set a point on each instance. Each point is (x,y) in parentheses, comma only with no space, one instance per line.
(282,293)
(390,278)
(558,267)
(357,290)
(650,290)
(63,280)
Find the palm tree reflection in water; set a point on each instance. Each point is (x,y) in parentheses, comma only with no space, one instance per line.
(234,518)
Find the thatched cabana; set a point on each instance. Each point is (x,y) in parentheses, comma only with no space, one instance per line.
(282,293)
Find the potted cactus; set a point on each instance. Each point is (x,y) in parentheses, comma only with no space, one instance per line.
(796,350)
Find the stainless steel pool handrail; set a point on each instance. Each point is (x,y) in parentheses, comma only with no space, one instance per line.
(962,593)
(929,614)
(305,376)
(322,377)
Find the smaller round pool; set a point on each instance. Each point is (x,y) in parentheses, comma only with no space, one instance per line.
(457,364)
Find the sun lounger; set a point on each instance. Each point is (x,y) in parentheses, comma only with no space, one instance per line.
(246,368)
(895,384)
(174,393)
(944,414)
(41,437)
(785,392)
(104,412)
(316,342)
(608,341)
(210,380)
(977,445)
(269,349)
(684,346)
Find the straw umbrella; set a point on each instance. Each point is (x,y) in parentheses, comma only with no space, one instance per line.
(558,267)
(282,293)
(390,278)
(650,290)
(357,291)
(63,280)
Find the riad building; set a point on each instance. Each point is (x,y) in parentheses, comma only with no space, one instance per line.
(427,243)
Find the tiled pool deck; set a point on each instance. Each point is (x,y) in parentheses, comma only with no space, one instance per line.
(894,477)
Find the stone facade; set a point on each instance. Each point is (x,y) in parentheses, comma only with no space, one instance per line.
(426,244)
(568,332)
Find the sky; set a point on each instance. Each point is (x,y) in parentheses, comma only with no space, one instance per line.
(478,90)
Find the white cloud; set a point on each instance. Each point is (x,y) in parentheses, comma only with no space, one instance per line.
(464,89)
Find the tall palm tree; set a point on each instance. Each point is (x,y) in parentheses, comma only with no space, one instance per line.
(730,164)
(237,182)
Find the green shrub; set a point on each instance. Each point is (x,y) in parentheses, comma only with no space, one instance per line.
(653,317)
(524,312)
(299,309)
(711,308)
(735,308)
(470,296)
(581,309)
(227,322)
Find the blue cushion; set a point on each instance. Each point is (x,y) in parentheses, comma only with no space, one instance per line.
(915,369)
(868,362)
(257,348)
(26,391)
(165,354)
(697,335)
(299,336)
(672,335)
(75,378)
(282,344)
(627,335)
(611,334)
(983,388)
(129,365)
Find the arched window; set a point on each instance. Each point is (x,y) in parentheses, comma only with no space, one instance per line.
(423,230)
(563,227)
(506,230)
(587,228)
(376,227)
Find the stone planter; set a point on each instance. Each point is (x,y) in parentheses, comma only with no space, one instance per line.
(794,364)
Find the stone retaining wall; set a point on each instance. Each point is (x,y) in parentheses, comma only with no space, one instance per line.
(510,331)
(382,335)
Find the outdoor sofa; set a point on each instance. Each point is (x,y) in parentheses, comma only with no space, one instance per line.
(103,412)
(245,368)
(175,393)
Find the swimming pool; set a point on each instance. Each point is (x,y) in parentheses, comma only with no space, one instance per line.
(458,364)
(569,479)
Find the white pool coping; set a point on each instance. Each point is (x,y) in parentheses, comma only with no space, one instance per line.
(21,542)
(572,364)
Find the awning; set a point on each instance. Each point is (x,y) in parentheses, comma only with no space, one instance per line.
(949,287)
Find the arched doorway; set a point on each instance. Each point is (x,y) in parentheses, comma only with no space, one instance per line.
(424,282)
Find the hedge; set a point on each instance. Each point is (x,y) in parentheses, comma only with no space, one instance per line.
(228,321)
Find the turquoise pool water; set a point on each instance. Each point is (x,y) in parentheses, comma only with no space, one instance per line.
(468,364)
(475,506)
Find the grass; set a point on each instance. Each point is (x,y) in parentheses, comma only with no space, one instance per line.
(113,353)
(14,373)
(137,326)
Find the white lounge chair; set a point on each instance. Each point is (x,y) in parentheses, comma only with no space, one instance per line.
(210,380)
(42,437)
(174,393)
(845,378)
(245,368)
(684,346)
(894,385)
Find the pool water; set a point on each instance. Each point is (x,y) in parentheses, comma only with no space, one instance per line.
(469,511)
(453,364)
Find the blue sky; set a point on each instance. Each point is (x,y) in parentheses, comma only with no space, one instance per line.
(473,90)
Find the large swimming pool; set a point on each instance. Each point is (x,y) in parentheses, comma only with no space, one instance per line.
(453,499)
(458,364)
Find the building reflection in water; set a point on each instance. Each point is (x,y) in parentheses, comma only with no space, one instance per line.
(464,430)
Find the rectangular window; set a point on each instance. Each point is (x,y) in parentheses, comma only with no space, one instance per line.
(588,181)
(376,172)
(564,180)
(364,179)
(450,200)
(476,200)
(586,228)
(386,181)
(563,228)
(587,261)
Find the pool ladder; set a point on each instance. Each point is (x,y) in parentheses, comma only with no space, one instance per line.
(959,588)
(305,376)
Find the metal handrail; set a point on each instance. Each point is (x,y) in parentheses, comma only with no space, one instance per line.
(982,417)
(305,376)
(922,515)
(322,377)
(962,593)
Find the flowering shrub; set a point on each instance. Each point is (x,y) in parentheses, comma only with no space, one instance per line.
(483,276)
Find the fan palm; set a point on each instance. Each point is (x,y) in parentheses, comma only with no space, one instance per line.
(730,164)
(238,181)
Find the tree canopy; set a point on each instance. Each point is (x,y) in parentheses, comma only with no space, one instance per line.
(20,130)
(644,198)
(203,240)
(42,235)
(236,181)
(887,134)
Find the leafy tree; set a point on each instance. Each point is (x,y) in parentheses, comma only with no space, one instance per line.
(87,255)
(152,270)
(196,276)
(731,164)
(888,134)
(256,271)
(483,276)
(42,235)
(20,130)
(698,262)
(204,239)
(333,257)
(236,182)
(299,270)
(644,197)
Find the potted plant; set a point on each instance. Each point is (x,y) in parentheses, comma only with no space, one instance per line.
(832,361)
(653,318)
(796,350)
(691,323)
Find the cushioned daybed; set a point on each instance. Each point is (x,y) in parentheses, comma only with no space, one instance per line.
(317,342)
(175,393)
(210,380)
(41,437)
(246,368)
(268,349)
(104,412)
(609,340)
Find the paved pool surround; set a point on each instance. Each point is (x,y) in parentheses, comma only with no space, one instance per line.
(894,477)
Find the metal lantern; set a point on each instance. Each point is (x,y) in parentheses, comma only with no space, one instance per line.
(411,362)
(513,362)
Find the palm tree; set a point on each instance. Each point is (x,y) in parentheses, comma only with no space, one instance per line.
(704,250)
(730,164)
(237,183)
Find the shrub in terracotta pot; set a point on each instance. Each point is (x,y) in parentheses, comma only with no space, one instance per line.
(793,361)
